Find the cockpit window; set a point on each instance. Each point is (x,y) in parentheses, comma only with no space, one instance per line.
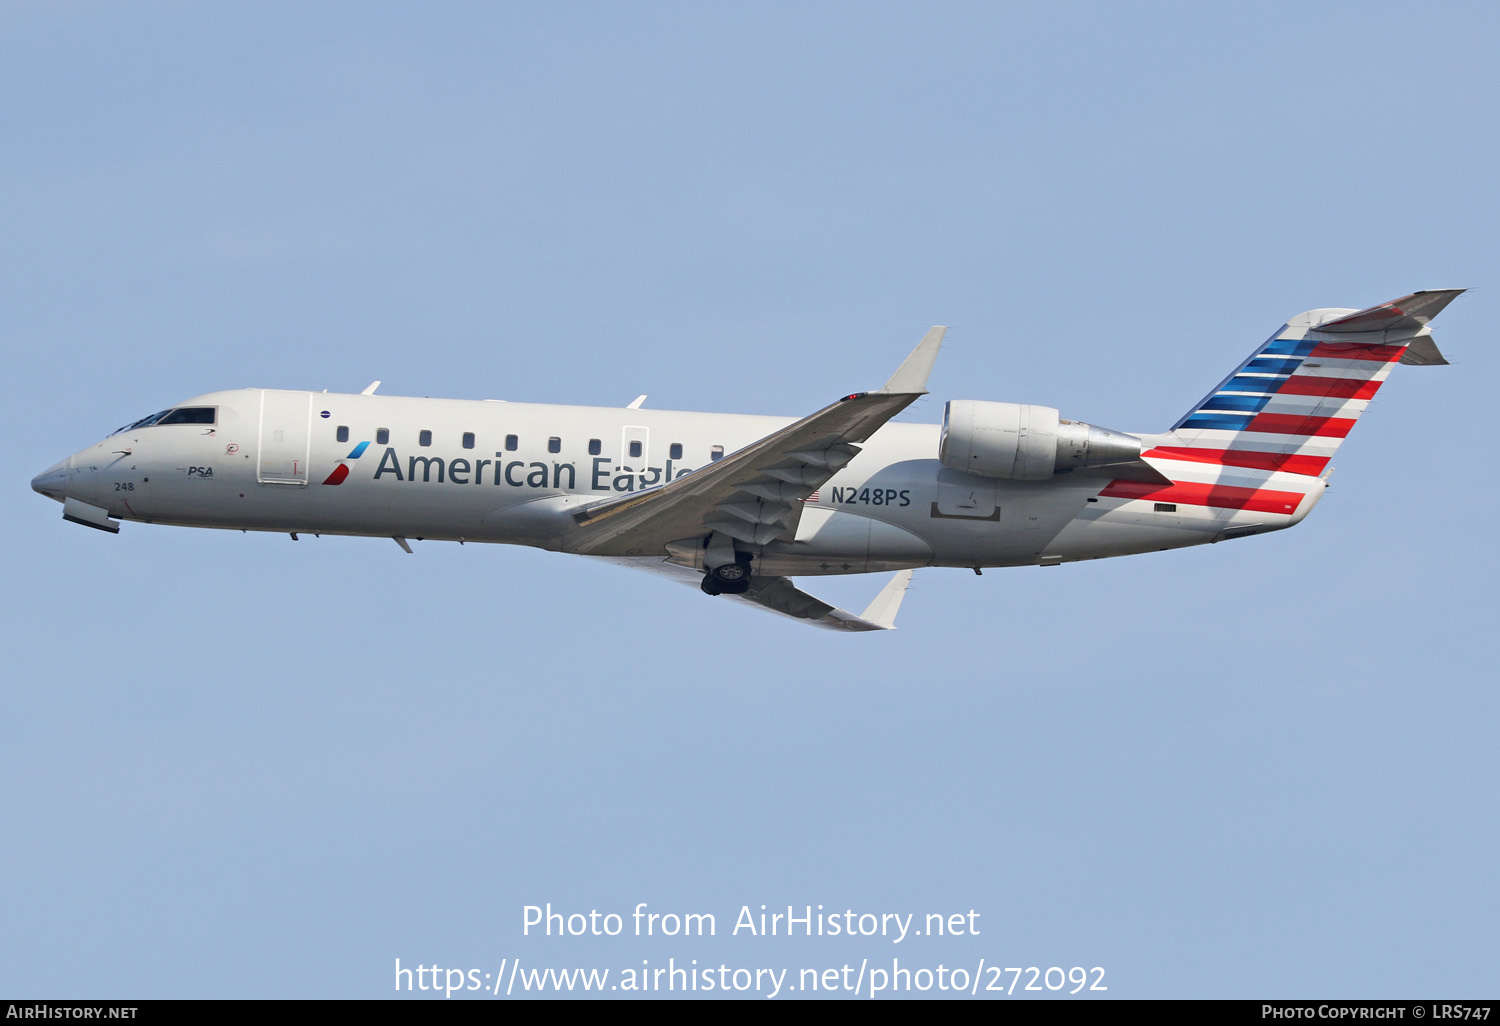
(189,415)
(182,415)
(143,422)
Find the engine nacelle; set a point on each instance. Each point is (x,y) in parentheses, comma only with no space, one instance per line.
(1026,443)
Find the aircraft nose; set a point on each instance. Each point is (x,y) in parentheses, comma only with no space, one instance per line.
(52,482)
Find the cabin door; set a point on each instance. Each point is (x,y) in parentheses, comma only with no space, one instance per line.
(285,433)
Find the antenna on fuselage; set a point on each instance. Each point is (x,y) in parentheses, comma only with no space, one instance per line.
(370,388)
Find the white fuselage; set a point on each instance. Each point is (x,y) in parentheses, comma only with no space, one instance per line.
(505,472)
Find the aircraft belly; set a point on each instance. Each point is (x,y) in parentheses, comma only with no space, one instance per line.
(1136,527)
(1002,523)
(439,512)
(832,541)
(364,508)
(1096,539)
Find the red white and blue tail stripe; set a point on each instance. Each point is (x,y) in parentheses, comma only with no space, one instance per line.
(1252,454)
(1289,406)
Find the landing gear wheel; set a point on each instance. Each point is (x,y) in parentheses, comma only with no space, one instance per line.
(730,573)
(727,579)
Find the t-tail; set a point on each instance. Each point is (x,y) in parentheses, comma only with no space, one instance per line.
(1260,443)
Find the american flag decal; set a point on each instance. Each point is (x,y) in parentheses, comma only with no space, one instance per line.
(811,498)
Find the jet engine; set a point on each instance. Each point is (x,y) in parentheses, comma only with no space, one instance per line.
(1026,443)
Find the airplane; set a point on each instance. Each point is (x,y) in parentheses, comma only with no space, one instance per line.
(740,504)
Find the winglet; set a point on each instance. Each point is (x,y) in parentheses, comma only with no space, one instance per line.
(911,376)
(883,610)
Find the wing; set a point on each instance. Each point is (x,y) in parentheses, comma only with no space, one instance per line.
(779,595)
(753,495)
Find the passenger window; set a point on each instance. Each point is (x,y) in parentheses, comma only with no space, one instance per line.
(382,436)
(554,444)
(512,443)
(594,447)
(635,450)
(425,438)
(675,451)
(342,434)
(468,439)
(716,453)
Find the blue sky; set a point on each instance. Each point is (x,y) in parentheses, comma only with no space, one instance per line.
(236,766)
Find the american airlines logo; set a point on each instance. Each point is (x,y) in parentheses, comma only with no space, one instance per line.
(342,470)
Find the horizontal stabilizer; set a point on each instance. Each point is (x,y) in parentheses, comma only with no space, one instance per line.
(1409,313)
(1422,351)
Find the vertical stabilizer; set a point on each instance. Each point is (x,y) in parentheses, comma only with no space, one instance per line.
(1290,405)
